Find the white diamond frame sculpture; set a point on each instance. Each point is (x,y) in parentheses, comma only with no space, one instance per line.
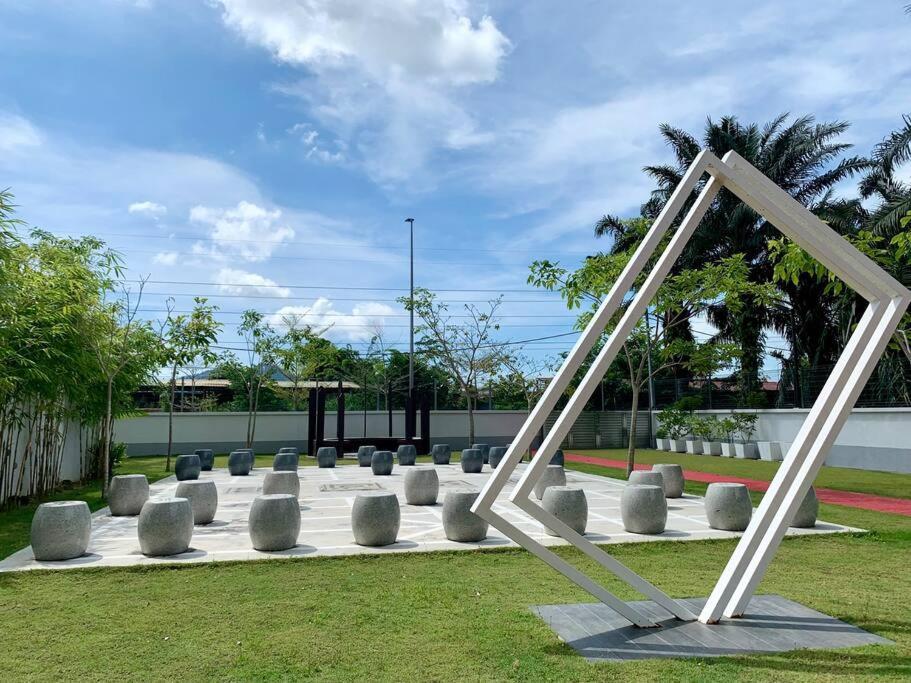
(887,299)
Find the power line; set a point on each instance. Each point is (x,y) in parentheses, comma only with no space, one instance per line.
(322,287)
(334,298)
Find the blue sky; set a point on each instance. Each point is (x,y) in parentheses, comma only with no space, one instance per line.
(279,144)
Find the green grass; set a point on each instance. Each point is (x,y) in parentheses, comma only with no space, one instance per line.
(438,616)
(840,478)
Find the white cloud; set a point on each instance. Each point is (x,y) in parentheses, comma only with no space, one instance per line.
(17,133)
(247,231)
(234,281)
(309,138)
(361,324)
(427,40)
(166,258)
(151,209)
(389,76)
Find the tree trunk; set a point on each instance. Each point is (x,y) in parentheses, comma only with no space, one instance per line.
(167,464)
(470,418)
(106,442)
(633,419)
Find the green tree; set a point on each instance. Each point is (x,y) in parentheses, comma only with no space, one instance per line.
(881,184)
(465,350)
(652,347)
(802,157)
(187,340)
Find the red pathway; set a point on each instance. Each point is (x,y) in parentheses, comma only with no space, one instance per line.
(864,501)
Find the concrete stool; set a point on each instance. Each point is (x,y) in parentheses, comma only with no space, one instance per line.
(673,479)
(805,517)
(286,461)
(61,530)
(375,517)
(557,458)
(485,450)
(495,456)
(165,527)
(251,456)
(459,523)
(646,477)
(728,506)
(441,453)
(381,462)
(239,464)
(407,454)
(365,455)
(203,497)
(325,456)
(554,475)
(643,508)
(472,460)
(282,482)
(421,486)
(127,494)
(275,521)
(187,467)
(289,449)
(568,504)
(206,458)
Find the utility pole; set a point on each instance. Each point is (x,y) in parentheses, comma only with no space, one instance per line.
(410,412)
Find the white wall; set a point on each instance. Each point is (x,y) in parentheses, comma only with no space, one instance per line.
(148,434)
(872,438)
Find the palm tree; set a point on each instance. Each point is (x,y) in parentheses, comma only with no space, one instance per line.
(803,158)
(894,196)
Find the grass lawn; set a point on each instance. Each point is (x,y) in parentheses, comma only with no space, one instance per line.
(438,616)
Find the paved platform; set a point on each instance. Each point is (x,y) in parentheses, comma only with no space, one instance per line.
(772,624)
(326,498)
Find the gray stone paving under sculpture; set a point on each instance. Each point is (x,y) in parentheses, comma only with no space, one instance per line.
(771,624)
(326,497)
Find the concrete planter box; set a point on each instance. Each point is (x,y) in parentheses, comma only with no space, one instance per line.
(769,450)
(663,444)
(711,447)
(747,451)
(694,446)
(727,449)
(677,445)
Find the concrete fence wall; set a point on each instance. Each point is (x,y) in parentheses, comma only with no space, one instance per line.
(872,438)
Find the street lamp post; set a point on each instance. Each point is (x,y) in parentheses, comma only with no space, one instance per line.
(409,420)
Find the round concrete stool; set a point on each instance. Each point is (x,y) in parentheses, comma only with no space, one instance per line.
(459,523)
(643,508)
(568,504)
(805,517)
(282,482)
(287,461)
(239,464)
(421,486)
(495,456)
(472,460)
(485,450)
(673,479)
(728,506)
(407,454)
(275,521)
(365,455)
(646,477)
(165,527)
(375,517)
(250,455)
(187,467)
(381,462)
(61,530)
(558,458)
(554,475)
(206,458)
(441,453)
(203,497)
(127,494)
(325,456)
(289,449)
